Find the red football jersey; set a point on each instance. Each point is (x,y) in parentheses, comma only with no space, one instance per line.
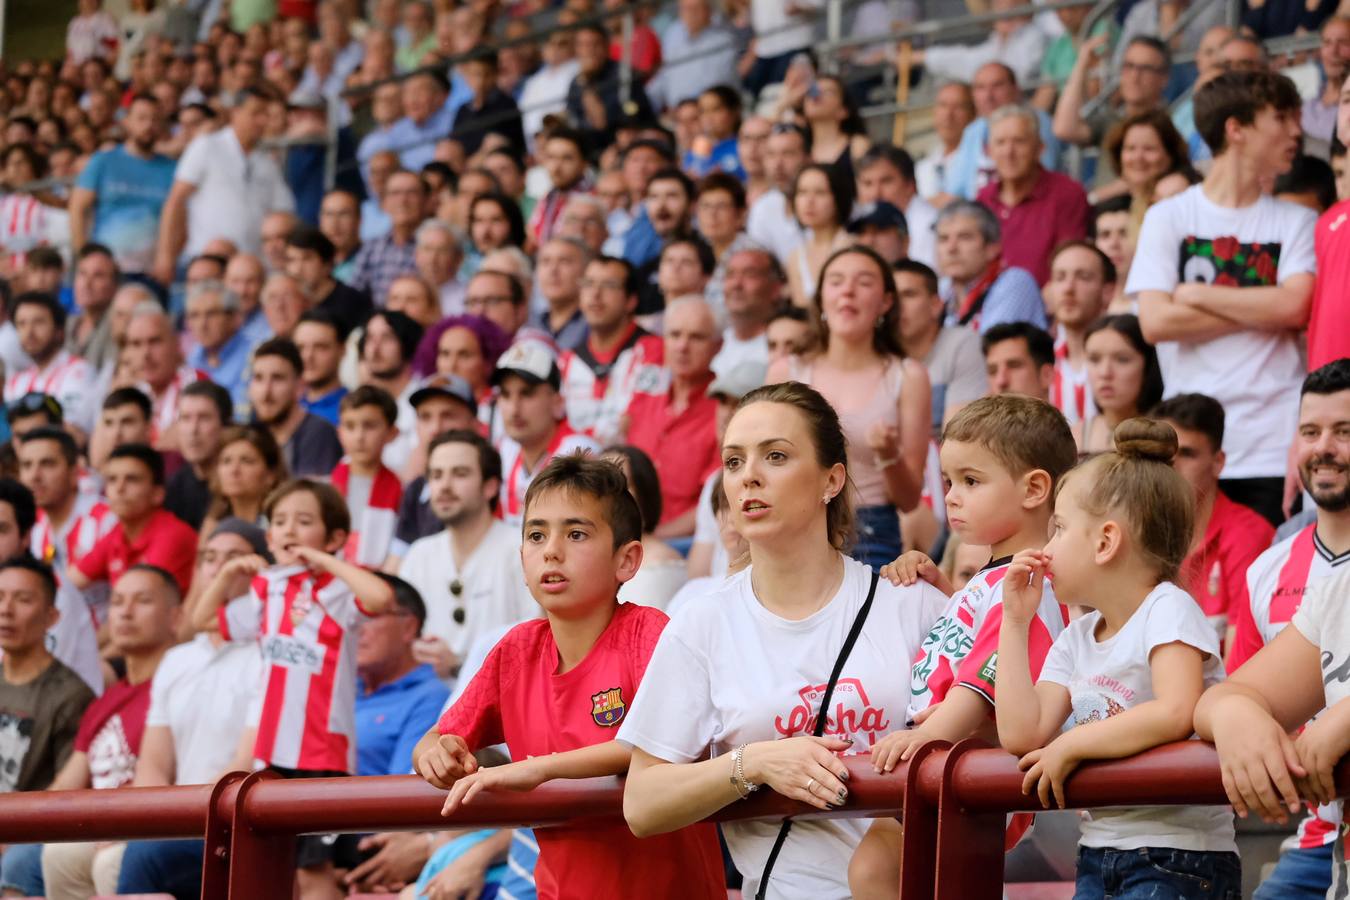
(517,697)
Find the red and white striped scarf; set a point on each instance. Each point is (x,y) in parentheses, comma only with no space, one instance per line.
(373,522)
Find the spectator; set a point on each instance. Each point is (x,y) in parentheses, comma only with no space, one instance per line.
(594,102)
(1209,63)
(994,86)
(245,470)
(152,355)
(43,699)
(585,219)
(367,423)
(1063,51)
(953,110)
(1123,375)
(204,411)
(383,259)
(1152,17)
(1227,328)
(698,52)
(662,572)
(1327,341)
(117,199)
(720,214)
(781,35)
(499,298)
(676,427)
(386,349)
(438,256)
(884,399)
(442,403)
(207,200)
(124,419)
(222,351)
(1081,280)
(979,288)
(466,346)
(713,548)
(561,264)
(564,159)
(599,378)
(545,92)
(416,299)
(715,147)
(58,373)
(1037,210)
(1016,42)
(1143,62)
(883,228)
(283,303)
(1228,536)
(887,174)
(276,228)
(374,219)
(1113,233)
(950,353)
(489,110)
(667,209)
(683,268)
(495,221)
(244,277)
(1019,358)
(631,232)
(791,332)
(320,338)
(309,444)
(821,204)
(91,34)
(309,260)
(753,284)
(340,222)
(89,334)
(1309,182)
(770,222)
(144,606)
(481,565)
(1319,112)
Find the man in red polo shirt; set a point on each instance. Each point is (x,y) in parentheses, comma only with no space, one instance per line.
(145,532)
(677,425)
(1038,210)
(1228,536)
(1328,338)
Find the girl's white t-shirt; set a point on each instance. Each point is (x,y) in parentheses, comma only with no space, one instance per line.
(1105,678)
(728,672)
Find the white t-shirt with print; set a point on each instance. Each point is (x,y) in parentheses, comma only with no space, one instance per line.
(1255,374)
(492,585)
(1324,619)
(728,672)
(1105,678)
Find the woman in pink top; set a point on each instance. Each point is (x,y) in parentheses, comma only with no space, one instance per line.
(882,398)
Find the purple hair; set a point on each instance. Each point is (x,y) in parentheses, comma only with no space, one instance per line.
(492,342)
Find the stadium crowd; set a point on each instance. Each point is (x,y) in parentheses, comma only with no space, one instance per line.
(451,388)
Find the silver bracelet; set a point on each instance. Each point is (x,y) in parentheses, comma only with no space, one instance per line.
(743,788)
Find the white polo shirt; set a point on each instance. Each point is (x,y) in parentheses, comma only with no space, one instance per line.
(234,192)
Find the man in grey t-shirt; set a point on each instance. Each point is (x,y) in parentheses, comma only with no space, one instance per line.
(950,353)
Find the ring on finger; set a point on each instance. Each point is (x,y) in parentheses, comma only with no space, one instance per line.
(811,786)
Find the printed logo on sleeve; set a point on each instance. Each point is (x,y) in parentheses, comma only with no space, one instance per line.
(989,671)
(608,708)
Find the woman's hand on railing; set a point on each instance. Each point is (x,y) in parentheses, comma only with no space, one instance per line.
(446,761)
(803,768)
(525,775)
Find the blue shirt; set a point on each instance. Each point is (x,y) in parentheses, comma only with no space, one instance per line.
(641,243)
(1013,297)
(130,193)
(392,719)
(231,372)
(255,327)
(326,407)
(725,157)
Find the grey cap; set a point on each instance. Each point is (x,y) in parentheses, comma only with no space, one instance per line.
(740,379)
(248,531)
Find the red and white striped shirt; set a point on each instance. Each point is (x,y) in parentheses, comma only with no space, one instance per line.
(1069,391)
(1276,583)
(89,520)
(374,503)
(516,478)
(165,402)
(23,225)
(597,387)
(69,379)
(305,628)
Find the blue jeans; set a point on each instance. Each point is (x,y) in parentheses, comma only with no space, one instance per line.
(162,867)
(878,535)
(1299,874)
(1157,873)
(21,870)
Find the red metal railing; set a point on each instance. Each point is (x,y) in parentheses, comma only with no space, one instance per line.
(953,800)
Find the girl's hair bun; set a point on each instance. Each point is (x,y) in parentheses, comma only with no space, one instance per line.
(1146,439)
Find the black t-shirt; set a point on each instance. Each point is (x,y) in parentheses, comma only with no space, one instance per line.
(313,449)
(498,115)
(415,518)
(348,305)
(187,496)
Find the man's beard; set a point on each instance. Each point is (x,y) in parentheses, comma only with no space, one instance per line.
(461,515)
(1334,500)
(388,374)
(279,418)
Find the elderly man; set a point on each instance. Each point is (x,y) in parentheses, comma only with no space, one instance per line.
(585,218)
(994,86)
(677,427)
(276,227)
(1144,64)
(427,116)
(752,291)
(153,357)
(979,290)
(1037,210)
(1319,112)
(437,255)
(283,303)
(222,349)
(244,277)
(561,263)
(383,259)
(953,110)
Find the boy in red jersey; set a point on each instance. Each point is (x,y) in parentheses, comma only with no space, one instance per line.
(367,421)
(556,689)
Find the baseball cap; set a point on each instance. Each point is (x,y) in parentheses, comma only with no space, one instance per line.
(246,530)
(530,360)
(739,380)
(878,215)
(444,385)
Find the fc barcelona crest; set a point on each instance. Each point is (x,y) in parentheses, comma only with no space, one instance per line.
(607,707)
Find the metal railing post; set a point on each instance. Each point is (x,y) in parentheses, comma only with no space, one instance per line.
(969,863)
(626,61)
(919,820)
(261,865)
(834,29)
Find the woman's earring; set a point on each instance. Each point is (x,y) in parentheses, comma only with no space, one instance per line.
(881,320)
(825,498)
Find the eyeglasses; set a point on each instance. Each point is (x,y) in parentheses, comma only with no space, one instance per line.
(601,284)
(481,302)
(456,590)
(1142,68)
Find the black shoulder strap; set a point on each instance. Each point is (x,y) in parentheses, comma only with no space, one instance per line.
(600,369)
(820,722)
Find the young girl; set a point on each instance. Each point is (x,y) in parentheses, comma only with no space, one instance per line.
(1130,671)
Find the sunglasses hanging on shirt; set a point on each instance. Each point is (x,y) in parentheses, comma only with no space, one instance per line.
(456,591)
